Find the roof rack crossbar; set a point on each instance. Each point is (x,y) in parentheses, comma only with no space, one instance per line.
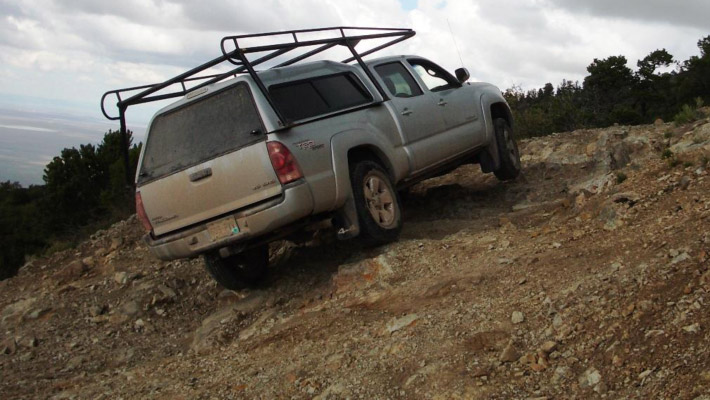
(378,48)
(337,40)
(306,55)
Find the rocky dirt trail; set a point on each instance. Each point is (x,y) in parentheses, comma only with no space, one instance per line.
(588,277)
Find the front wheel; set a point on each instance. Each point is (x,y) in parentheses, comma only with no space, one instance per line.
(238,271)
(377,203)
(507,151)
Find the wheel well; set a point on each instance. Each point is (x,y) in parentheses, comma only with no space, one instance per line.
(372,153)
(500,110)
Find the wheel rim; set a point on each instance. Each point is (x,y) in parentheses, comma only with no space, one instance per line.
(380,200)
(511,146)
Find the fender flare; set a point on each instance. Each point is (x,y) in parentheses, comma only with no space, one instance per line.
(395,159)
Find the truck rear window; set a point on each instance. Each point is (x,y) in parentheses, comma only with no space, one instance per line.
(201,130)
(317,96)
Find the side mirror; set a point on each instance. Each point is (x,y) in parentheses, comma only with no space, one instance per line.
(462,74)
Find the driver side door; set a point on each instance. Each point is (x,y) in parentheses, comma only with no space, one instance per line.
(458,104)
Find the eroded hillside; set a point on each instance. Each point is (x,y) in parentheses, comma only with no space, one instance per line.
(588,277)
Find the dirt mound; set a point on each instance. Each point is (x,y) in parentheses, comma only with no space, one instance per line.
(586,277)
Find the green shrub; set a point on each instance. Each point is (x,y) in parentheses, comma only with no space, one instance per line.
(667,153)
(689,113)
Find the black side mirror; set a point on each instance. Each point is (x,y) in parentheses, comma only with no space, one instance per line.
(462,74)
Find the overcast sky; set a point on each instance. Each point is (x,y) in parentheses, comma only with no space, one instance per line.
(58,56)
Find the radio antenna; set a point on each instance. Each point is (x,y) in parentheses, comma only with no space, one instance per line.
(455,44)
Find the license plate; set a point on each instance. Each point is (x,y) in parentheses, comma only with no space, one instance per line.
(223,228)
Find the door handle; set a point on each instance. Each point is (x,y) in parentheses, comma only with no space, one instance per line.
(442,102)
(202,174)
(406,111)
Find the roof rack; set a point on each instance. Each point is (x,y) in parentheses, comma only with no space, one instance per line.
(233,53)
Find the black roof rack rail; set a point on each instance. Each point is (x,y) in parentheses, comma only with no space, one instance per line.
(233,53)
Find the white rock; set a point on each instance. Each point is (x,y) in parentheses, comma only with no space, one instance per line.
(694,328)
(590,377)
(396,324)
(120,277)
(517,317)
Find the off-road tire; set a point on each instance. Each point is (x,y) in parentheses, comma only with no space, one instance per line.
(378,206)
(239,271)
(507,151)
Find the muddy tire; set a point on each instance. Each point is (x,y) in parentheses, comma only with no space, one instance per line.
(377,203)
(238,271)
(507,151)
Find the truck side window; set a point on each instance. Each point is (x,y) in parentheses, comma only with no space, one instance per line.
(320,95)
(434,77)
(398,80)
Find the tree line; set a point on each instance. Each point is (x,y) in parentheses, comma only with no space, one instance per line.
(84,189)
(613,93)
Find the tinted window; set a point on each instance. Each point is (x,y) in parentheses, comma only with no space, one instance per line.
(398,80)
(434,77)
(199,131)
(318,96)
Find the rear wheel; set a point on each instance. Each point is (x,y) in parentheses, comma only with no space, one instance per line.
(507,151)
(377,203)
(238,271)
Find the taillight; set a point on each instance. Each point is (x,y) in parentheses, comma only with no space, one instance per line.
(283,162)
(142,216)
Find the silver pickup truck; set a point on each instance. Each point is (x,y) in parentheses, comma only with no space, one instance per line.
(241,162)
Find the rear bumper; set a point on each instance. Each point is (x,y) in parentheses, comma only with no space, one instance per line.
(295,203)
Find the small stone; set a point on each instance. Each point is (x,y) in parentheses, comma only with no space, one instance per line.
(680,258)
(538,367)
(30,342)
(120,277)
(557,321)
(559,374)
(509,353)
(131,308)
(645,374)
(590,377)
(548,347)
(73,270)
(116,243)
(658,121)
(617,361)
(89,261)
(694,328)
(517,317)
(97,310)
(167,292)
(396,324)
(684,182)
(8,346)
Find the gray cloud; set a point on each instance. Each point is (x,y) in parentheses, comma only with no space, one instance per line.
(694,13)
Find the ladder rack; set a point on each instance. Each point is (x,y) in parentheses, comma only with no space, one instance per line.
(236,55)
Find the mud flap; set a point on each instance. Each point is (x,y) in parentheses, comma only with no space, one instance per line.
(346,220)
(489,159)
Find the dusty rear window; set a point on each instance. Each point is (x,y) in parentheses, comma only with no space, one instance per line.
(318,96)
(199,131)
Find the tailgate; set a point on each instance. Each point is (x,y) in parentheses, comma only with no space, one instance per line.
(204,158)
(215,187)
